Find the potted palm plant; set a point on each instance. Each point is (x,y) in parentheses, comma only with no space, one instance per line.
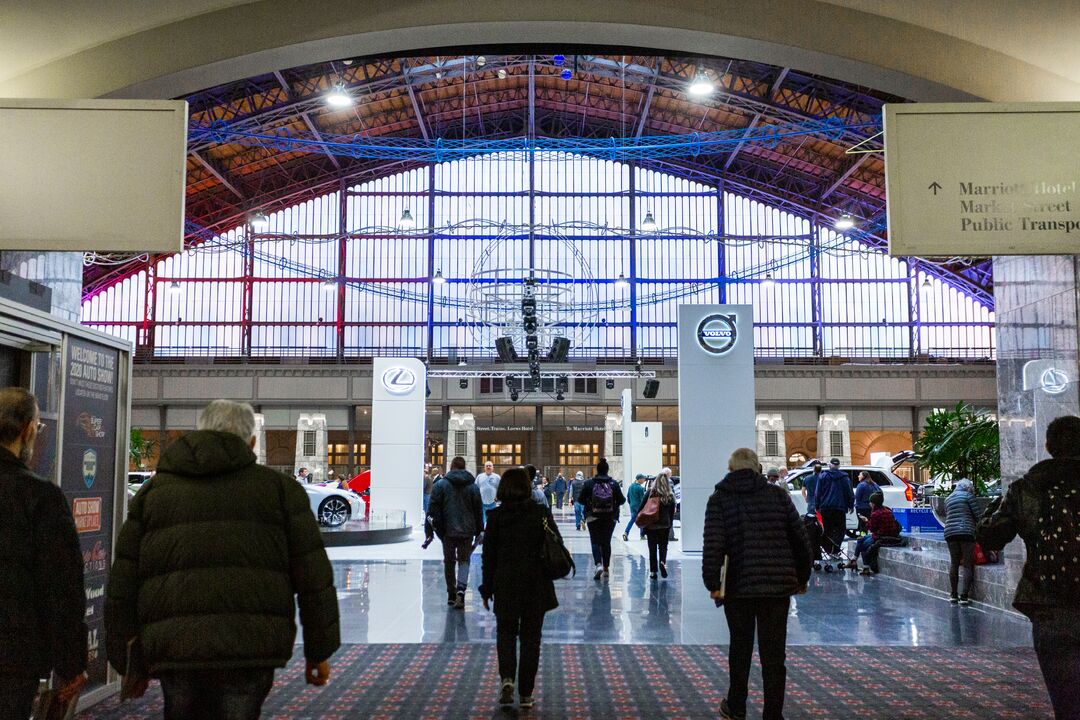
(960,443)
(140,449)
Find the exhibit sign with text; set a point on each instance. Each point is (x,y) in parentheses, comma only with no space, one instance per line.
(88,477)
(716,403)
(982,179)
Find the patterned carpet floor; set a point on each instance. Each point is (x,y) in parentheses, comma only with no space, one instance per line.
(625,682)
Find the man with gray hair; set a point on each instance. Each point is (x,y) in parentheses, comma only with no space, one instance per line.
(210,564)
(41,597)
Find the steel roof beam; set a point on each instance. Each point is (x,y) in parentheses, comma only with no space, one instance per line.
(218,174)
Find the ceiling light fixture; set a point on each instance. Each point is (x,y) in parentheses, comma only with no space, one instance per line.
(502,73)
(338,97)
(174,287)
(259,220)
(406,222)
(701,85)
(438,278)
(649,223)
(481,61)
(768,281)
(926,284)
(844,222)
(566,74)
(622,282)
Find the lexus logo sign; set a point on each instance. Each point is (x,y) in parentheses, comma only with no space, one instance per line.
(1054,381)
(398,380)
(717,333)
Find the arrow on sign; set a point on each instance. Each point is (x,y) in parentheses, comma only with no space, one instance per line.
(934,186)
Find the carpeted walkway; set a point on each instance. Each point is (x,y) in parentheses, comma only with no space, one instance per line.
(649,681)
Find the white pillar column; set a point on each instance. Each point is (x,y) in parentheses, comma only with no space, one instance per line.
(397,436)
(613,423)
(829,423)
(466,448)
(260,438)
(771,422)
(313,458)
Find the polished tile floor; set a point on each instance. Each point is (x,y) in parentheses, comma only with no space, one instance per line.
(396,594)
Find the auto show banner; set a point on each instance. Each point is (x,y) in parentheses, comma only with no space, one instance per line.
(88,476)
(398,398)
(716,403)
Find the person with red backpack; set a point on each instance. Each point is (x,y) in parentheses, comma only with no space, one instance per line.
(601,497)
(1043,508)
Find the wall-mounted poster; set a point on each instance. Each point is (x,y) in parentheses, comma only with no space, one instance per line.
(88,476)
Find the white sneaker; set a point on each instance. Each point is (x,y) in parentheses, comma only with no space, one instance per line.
(599,572)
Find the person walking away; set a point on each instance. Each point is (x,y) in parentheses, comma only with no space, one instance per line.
(515,578)
(755,528)
(863,491)
(210,564)
(457,516)
(535,481)
(810,486)
(42,598)
(1043,508)
(560,490)
(882,529)
(961,518)
(488,482)
(429,483)
(834,499)
(575,497)
(549,491)
(657,533)
(601,496)
(635,497)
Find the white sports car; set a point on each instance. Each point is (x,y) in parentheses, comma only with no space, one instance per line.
(333,507)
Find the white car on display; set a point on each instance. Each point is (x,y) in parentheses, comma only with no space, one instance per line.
(898,493)
(333,507)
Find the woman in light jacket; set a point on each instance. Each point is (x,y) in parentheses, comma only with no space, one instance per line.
(961,517)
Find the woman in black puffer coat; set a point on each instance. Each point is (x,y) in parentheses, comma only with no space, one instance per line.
(757,528)
(515,577)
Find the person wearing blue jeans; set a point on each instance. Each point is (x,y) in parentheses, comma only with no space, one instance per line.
(488,482)
(635,496)
(575,492)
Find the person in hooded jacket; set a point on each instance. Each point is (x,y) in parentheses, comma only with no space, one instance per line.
(560,490)
(961,517)
(1043,508)
(214,556)
(515,578)
(834,498)
(457,516)
(575,496)
(755,526)
(601,515)
(659,531)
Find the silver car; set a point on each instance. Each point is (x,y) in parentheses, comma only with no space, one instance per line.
(898,493)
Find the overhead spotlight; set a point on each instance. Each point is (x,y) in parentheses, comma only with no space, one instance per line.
(652,386)
(504,346)
(502,73)
(347,62)
(560,349)
(701,85)
(558,60)
(559,395)
(463,383)
(531,324)
(562,386)
(513,396)
(438,74)
(622,283)
(926,284)
(329,285)
(406,221)
(438,278)
(609,384)
(481,61)
(844,222)
(174,288)
(461,362)
(768,281)
(338,97)
(566,74)
(649,223)
(513,383)
(259,220)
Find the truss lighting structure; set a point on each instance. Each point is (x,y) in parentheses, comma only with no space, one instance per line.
(524,374)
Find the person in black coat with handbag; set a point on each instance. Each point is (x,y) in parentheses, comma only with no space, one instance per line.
(516,578)
(756,528)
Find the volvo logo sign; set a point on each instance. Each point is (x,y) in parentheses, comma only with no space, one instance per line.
(717,333)
(398,380)
(1054,381)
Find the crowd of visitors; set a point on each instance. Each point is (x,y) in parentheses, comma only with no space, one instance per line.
(218,552)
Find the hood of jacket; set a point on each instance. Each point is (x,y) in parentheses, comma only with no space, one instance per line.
(460,478)
(1052,470)
(603,478)
(206,453)
(742,481)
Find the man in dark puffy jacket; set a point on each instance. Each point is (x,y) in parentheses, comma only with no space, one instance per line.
(755,526)
(1043,508)
(42,599)
(601,496)
(457,514)
(211,561)
(834,498)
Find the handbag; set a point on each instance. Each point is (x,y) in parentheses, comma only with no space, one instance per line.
(557,561)
(649,512)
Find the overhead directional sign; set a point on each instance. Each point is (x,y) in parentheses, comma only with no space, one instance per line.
(983,178)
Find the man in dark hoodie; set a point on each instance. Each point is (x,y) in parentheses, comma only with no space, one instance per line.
(834,498)
(457,514)
(1043,508)
(41,597)
(755,526)
(211,562)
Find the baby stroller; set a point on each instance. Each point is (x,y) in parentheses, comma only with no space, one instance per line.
(827,557)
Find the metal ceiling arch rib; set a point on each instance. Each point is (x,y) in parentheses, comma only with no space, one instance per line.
(454,97)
